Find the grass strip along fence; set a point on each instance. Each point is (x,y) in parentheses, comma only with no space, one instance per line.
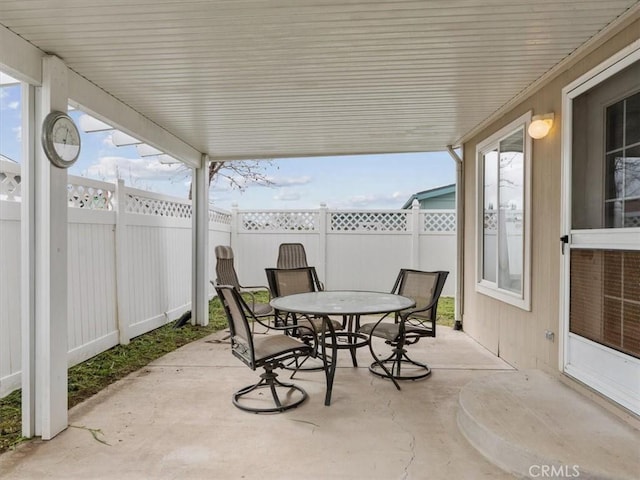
(89,377)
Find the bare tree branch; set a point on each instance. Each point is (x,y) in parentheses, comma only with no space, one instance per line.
(239,173)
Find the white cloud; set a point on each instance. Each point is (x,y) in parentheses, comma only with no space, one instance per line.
(18,132)
(288,181)
(13,105)
(108,140)
(131,169)
(375,200)
(285,195)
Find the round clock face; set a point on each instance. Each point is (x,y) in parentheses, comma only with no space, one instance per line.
(60,139)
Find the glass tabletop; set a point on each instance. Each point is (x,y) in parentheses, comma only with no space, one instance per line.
(342,302)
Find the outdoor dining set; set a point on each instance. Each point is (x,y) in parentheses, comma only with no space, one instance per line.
(306,325)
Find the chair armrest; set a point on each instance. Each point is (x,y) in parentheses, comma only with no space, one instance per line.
(410,311)
(249,289)
(255,287)
(311,328)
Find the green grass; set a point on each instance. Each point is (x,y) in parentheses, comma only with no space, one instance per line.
(446,311)
(89,377)
(10,425)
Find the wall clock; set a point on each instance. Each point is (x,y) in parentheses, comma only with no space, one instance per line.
(60,139)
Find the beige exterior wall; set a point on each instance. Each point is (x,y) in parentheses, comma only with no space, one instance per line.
(516,335)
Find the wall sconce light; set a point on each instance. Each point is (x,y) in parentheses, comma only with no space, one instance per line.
(540,125)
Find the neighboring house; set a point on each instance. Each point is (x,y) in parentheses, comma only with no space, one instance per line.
(561,215)
(439,198)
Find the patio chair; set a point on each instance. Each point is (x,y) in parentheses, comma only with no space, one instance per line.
(409,325)
(226,275)
(267,352)
(289,281)
(293,255)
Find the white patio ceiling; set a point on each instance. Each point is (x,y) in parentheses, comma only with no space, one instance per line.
(256,78)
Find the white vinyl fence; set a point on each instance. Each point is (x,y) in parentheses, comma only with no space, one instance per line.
(129,259)
(356,250)
(129,265)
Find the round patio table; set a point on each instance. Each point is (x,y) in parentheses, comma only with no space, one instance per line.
(351,304)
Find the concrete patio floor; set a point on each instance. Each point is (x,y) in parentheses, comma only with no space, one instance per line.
(174,420)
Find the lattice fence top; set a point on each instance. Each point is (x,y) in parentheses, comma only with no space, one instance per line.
(279,221)
(439,222)
(631,221)
(513,218)
(142,205)
(369,222)
(88,197)
(491,220)
(217,216)
(10,186)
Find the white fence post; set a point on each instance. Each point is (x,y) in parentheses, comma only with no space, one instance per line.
(323,215)
(235,227)
(122,290)
(415,234)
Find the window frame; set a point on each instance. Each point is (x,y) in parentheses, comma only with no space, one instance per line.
(521,300)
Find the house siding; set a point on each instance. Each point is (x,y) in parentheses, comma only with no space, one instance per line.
(516,335)
(441,202)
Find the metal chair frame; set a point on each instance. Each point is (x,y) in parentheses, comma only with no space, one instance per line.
(279,288)
(408,328)
(269,352)
(226,275)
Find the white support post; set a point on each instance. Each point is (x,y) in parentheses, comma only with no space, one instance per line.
(322,241)
(50,199)
(28,259)
(415,234)
(122,277)
(200,244)
(459,300)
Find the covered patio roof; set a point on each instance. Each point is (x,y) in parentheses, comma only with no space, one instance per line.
(224,80)
(255,79)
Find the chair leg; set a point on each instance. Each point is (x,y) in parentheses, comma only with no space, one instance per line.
(378,363)
(269,380)
(405,360)
(392,367)
(295,366)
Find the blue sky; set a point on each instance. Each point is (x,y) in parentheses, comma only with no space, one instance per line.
(360,182)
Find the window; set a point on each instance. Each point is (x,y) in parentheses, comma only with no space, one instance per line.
(622,201)
(503,171)
(605,163)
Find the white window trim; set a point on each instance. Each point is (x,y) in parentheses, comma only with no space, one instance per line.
(522,300)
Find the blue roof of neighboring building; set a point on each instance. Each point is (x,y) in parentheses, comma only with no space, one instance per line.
(431,193)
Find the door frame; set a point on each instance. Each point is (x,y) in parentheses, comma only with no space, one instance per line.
(599,354)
